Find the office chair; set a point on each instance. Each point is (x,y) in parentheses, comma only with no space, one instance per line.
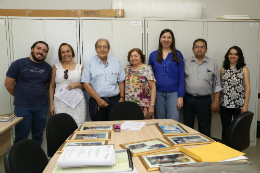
(25,156)
(126,111)
(58,129)
(238,132)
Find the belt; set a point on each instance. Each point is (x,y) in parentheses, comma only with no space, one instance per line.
(196,96)
(106,98)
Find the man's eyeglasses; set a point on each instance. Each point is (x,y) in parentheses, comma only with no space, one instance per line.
(66,74)
(197,47)
(102,47)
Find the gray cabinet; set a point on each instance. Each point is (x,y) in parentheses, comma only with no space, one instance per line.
(5,101)
(122,34)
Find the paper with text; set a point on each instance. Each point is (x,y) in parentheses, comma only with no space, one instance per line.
(132,125)
(69,97)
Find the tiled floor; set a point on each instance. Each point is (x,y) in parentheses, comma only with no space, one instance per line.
(253,154)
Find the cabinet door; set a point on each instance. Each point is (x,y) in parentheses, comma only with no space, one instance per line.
(5,101)
(91,31)
(220,39)
(246,37)
(125,37)
(185,32)
(24,33)
(153,30)
(58,32)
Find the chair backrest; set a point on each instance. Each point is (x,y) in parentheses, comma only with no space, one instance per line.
(126,111)
(238,132)
(59,128)
(25,156)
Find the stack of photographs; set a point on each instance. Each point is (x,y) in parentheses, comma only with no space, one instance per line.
(192,139)
(171,129)
(152,162)
(147,146)
(89,136)
(100,128)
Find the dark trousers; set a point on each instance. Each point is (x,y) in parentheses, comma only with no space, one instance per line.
(226,115)
(201,108)
(101,114)
(34,119)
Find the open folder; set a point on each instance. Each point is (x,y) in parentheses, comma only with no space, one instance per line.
(123,163)
(213,152)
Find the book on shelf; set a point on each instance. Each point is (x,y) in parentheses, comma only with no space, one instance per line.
(82,156)
(123,164)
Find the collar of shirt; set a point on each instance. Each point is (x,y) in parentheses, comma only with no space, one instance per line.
(205,59)
(100,60)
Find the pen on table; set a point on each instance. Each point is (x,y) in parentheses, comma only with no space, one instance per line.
(152,124)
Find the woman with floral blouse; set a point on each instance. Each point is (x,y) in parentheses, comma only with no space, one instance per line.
(140,83)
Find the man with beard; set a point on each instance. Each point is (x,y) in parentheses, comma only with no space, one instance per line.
(27,79)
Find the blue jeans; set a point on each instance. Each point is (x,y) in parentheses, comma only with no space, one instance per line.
(166,105)
(34,118)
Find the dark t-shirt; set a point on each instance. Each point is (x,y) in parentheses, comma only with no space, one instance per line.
(31,79)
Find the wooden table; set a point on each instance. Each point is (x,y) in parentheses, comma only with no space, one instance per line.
(126,136)
(5,134)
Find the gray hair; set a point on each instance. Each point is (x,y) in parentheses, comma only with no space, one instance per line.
(102,39)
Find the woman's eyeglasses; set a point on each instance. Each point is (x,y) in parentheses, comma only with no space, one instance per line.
(66,74)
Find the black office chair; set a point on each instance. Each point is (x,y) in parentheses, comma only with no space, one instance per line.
(25,156)
(126,111)
(238,132)
(59,128)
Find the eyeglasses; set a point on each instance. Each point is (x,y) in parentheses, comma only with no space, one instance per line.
(66,74)
(197,47)
(104,47)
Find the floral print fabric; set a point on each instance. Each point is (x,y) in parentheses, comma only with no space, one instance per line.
(233,93)
(136,86)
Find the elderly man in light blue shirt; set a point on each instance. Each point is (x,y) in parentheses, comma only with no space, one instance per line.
(103,78)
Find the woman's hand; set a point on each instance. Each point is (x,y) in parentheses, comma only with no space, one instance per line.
(150,113)
(179,103)
(52,110)
(72,86)
(244,109)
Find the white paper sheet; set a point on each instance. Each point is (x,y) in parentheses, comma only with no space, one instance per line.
(69,97)
(132,125)
(235,158)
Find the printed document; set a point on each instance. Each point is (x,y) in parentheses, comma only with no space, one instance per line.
(82,156)
(69,97)
(132,125)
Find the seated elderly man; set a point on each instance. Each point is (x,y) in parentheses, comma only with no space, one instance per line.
(103,78)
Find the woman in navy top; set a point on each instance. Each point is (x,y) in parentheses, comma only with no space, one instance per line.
(168,67)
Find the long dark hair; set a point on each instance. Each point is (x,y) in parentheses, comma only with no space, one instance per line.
(240,62)
(173,48)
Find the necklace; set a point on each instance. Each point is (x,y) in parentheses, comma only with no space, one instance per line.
(68,66)
(137,67)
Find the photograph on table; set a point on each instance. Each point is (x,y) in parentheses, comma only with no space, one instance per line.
(171,129)
(152,161)
(90,136)
(193,139)
(100,128)
(90,143)
(147,146)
